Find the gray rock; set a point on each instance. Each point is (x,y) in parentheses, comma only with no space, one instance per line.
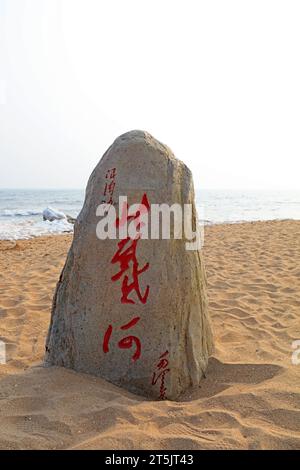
(52,214)
(158,344)
(70,219)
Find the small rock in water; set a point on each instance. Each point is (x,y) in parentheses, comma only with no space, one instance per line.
(70,219)
(133,311)
(52,214)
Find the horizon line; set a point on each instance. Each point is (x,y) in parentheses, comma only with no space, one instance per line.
(196,189)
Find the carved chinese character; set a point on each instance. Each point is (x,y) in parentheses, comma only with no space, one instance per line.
(126,343)
(111,173)
(161,366)
(126,257)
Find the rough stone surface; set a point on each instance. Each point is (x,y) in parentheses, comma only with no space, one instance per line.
(87,314)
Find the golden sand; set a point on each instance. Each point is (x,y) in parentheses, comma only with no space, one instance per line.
(250,398)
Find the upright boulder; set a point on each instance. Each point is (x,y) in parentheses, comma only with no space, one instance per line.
(133,311)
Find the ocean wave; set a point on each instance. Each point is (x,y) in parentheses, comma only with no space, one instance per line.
(29,229)
(65,202)
(19,213)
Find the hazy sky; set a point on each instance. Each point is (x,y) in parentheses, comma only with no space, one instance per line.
(217,81)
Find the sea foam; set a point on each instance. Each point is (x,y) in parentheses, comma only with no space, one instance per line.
(29,228)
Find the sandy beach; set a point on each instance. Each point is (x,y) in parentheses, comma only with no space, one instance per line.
(250,398)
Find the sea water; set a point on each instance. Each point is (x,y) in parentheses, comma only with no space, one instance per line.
(21,210)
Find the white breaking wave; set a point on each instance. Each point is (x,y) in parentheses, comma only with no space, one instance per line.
(19,213)
(28,229)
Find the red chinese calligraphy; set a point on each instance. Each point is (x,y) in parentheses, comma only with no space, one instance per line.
(142,209)
(109,186)
(126,343)
(126,257)
(129,271)
(111,174)
(161,371)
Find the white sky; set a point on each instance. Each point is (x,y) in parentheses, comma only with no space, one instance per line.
(217,81)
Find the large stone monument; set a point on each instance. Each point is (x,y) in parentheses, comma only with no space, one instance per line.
(133,310)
